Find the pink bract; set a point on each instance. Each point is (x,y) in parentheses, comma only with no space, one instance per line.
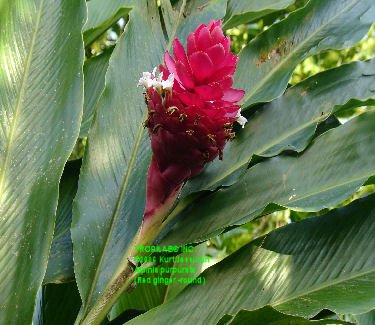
(205,73)
(191,110)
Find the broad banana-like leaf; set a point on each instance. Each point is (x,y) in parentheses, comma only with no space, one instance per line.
(147,296)
(267,63)
(334,166)
(57,304)
(269,315)
(102,14)
(244,12)
(289,122)
(366,319)
(324,262)
(94,71)
(109,205)
(41,95)
(60,261)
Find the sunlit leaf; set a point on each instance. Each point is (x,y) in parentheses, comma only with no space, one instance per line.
(244,12)
(325,262)
(267,63)
(41,95)
(334,166)
(289,122)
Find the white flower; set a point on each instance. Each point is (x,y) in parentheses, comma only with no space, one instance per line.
(168,84)
(150,80)
(240,119)
(146,81)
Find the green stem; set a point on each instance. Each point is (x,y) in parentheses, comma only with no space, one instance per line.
(125,275)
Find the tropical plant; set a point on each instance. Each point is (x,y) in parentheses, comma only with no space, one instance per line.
(75,153)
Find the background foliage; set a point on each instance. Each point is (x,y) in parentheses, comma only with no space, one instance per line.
(287,219)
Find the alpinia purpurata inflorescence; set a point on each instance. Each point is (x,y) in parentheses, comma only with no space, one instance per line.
(190,111)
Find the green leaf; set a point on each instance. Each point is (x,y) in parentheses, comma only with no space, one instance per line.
(94,71)
(325,262)
(270,316)
(266,63)
(244,12)
(102,15)
(57,304)
(289,122)
(334,166)
(109,205)
(148,296)
(41,95)
(366,319)
(60,261)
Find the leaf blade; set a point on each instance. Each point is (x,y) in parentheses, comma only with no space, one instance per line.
(266,63)
(240,12)
(289,122)
(60,261)
(323,262)
(94,71)
(333,168)
(40,106)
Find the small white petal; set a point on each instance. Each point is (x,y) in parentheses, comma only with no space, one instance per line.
(168,84)
(240,119)
(146,80)
(150,80)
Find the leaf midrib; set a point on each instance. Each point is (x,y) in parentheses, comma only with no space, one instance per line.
(327,188)
(297,49)
(285,203)
(19,100)
(260,151)
(325,285)
(115,213)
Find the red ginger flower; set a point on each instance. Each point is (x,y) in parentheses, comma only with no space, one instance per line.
(204,75)
(190,112)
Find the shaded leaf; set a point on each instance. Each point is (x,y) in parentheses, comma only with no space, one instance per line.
(60,261)
(289,122)
(366,319)
(94,71)
(41,95)
(335,165)
(102,15)
(57,304)
(324,262)
(148,296)
(244,12)
(269,315)
(266,63)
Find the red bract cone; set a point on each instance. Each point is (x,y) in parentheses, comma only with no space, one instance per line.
(190,113)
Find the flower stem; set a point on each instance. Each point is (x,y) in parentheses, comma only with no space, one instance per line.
(125,274)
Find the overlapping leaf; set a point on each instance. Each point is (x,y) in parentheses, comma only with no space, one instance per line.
(269,315)
(41,95)
(266,63)
(148,296)
(243,12)
(324,262)
(335,165)
(60,261)
(289,122)
(94,71)
(102,15)
(366,319)
(57,304)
